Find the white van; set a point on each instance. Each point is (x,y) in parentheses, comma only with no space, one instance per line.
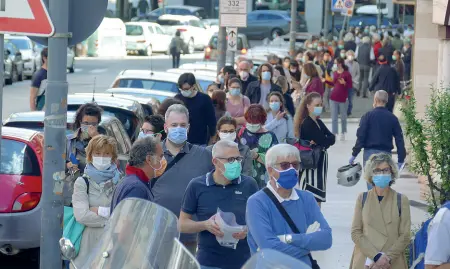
(108,40)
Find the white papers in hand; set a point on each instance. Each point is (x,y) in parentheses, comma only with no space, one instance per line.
(227,224)
(368,262)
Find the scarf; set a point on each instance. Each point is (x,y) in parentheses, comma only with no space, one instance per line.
(98,176)
(131,170)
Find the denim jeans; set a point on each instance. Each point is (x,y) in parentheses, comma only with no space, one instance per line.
(366,157)
(336,109)
(351,93)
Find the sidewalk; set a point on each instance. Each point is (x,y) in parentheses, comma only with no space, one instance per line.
(339,208)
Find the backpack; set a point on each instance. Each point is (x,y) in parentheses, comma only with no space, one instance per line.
(399,202)
(418,245)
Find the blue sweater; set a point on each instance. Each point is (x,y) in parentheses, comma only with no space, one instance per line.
(265,224)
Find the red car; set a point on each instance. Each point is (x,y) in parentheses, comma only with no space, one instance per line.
(21,171)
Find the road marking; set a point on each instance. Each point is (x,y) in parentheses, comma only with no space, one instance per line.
(98,71)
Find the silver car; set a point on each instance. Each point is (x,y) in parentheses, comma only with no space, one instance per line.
(70,58)
(25,45)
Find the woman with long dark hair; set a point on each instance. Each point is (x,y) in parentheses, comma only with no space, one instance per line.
(219,98)
(311,130)
(258,91)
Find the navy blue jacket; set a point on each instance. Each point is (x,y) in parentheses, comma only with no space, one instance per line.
(376,129)
(131,187)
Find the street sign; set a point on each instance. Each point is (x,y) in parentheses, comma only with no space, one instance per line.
(233,13)
(232,38)
(27,17)
(84,18)
(337,5)
(349,5)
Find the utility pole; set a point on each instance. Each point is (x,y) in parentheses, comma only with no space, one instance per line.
(379,14)
(341,34)
(221,48)
(55,137)
(293,34)
(326,18)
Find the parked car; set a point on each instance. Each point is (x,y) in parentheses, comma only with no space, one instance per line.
(152,16)
(8,68)
(242,46)
(15,56)
(144,102)
(130,113)
(70,58)
(271,23)
(146,38)
(25,46)
(194,33)
(155,97)
(212,23)
(204,78)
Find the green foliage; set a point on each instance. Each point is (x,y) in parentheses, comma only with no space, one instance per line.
(430,143)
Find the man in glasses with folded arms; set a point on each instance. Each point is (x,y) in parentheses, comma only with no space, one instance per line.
(282,218)
(224,188)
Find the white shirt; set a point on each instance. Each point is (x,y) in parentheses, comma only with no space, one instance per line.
(294,195)
(438,247)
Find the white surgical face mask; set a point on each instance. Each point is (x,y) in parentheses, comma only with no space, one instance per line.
(227,136)
(101,163)
(253,127)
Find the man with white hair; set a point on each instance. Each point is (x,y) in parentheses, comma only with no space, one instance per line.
(245,75)
(224,189)
(375,132)
(365,56)
(282,218)
(377,45)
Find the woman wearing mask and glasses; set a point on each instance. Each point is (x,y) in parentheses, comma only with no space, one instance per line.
(237,103)
(258,139)
(153,126)
(312,131)
(381,228)
(279,121)
(93,193)
(258,91)
(227,130)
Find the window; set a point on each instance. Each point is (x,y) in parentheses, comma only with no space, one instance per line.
(194,23)
(169,22)
(119,138)
(201,14)
(183,12)
(127,119)
(278,5)
(21,44)
(11,48)
(18,159)
(165,86)
(268,17)
(159,30)
(204,84)
(134,30)
(150,28)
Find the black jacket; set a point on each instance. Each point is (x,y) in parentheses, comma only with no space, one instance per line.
(289,103)
(387,52)
(245,83)
(385,78)
(350,45)
(318,133)
(375,131)
(253,91)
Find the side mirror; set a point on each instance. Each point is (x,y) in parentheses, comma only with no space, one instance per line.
(67,248)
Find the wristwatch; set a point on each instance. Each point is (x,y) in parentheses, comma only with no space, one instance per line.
(288,238)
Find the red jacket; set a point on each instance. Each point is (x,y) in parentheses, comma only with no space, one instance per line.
(315,85)
(340,92)
(376,49)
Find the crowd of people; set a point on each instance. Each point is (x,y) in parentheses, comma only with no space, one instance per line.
(238,147)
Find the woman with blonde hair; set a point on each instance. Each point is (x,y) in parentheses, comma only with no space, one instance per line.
(382,222)
(312,131)
(93,192)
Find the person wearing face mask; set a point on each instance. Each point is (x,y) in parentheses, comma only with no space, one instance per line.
(153,126)
(386,78)
(407,58)
(245,75)
(365,57)
(354,68)
(309,58)
(185,161)
(381,228)
(269,228)
(257,91)
(279,121)
(314,82)
(237,103)
(224,188)
(399,65)
(349,42)
(311,130)
(201,110)
(93,192)
(258,139)
(340,46)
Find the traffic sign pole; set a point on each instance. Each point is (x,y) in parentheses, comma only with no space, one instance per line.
(2,80)
(293,34)
(221,48)
(55,137)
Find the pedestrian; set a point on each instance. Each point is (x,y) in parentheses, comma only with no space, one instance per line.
(39,84)
(354,68)
(349,42)
(282,218)
(201,110)
(407,58)
(245,76)
(227,130)
(175,48)
(153,126)
(399,65)
(342,83)
(282,82)
(376,130)
(211,88)
(258,139)
(340,46)
(224,76)
(377,45)
(143,7)
(166,104)
(314,82)
(437,254)
(365,56)
(294,71)
(237,103)
(279,120)
(308,57)
(397,42)
(224,189)
(387,50)
(310,130)
(381,228)
(286,62)
(219,98)
(93,193)
(258,91)
(185,161)
(386,78)
(409,31)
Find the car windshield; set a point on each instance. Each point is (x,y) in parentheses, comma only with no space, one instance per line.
(158,85)
(129,122)
(134,30)
(18,159)
(21,44)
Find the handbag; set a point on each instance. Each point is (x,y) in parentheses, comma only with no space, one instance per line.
(309,154)
(290,222)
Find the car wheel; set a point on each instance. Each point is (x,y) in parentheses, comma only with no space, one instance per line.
(149,50)
(191,46)
(20,76)
(14,75)
(276,32)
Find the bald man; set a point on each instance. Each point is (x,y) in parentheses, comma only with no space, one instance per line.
(245,75)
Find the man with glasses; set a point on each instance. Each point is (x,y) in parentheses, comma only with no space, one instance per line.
(224,188)
(153,126)
(282,218)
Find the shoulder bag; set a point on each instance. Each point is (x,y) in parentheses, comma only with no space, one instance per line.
(309,154)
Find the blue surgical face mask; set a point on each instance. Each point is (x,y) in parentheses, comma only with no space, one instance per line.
(317,111)
(382,181)
(287,179)
(275,106)
(187,93)
(177,135)
(235,91)
(144,135)
(221,79)
(265,75)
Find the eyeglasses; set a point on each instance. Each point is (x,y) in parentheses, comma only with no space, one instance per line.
(85,123)
(228,131)
(147,131)
(382,171)
(287,165)
(232,159)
